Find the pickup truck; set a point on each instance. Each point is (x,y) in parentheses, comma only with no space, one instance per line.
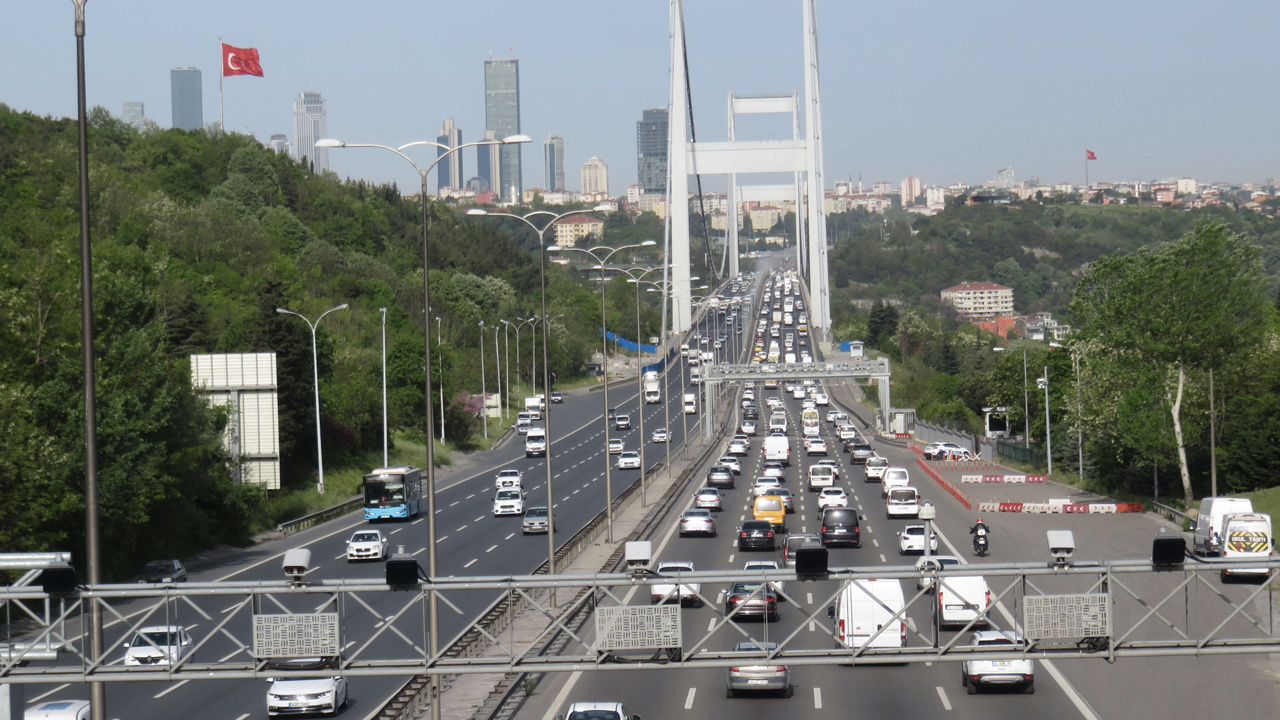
(679,592)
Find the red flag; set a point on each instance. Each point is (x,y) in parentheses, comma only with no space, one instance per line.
(240,61)
(1088,154)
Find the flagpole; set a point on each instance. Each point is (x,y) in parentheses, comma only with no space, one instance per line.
(222,123)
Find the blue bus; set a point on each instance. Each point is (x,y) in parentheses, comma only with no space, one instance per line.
(392,492)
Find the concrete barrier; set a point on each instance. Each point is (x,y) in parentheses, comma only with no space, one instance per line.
(946,485)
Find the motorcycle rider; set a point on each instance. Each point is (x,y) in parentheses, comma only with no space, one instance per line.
(979,531)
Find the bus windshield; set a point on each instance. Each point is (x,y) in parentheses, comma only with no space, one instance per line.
(383,493)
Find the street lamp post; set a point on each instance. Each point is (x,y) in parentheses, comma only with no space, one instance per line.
(506,363)
(546,381)
(440,362)
(1043,382)
(384,386)
(1075,364)
(424,174)
(518,325)
(484,400)
(604,358)
(635,277)
(315,376)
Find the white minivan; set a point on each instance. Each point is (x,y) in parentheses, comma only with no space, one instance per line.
(893,477)
(863,612)
(961,599)
(902,502)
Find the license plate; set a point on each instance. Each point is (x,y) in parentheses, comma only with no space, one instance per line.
(955,607)
(1001,663)
(757,682)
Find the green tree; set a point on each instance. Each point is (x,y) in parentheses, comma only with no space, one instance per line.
(1184,306)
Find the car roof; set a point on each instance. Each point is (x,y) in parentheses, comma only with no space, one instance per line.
(989,635)
(758,564)
(687,564)
(753,524)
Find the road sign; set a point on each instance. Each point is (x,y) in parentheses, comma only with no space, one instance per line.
(639,627)
(1066,616)
(290,636)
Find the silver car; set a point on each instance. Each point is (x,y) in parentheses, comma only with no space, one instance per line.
(708,498)
(767,677)
(697,521)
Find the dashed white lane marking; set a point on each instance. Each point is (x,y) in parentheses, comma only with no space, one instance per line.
(817,698)
(875,542)
(808,598)
(393,532)
(455,502)
(243,717)
(882,558)
(509,536)
(478,519)
(688,701)
(441,539)
(471,496)
(464,527)
(473,562)
(730,557)
(170,689)
(711,625)
(942,695)
(495,547)
(42,696)
(419,552)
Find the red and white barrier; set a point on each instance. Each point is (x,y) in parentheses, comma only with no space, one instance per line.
(1004,478)
(1059,506)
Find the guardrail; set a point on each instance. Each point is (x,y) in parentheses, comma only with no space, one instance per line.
(289,527)
(1171,514)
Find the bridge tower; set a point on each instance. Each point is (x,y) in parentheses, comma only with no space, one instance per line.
(799,156)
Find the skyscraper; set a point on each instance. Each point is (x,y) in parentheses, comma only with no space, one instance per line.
(280,143)
(310,123)
(187,94)
(449,174)
(135,113)
(651,151)
(595,176)
(488,164)
(553,155)
(502,116)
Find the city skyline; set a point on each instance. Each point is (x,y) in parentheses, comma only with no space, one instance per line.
(186,98)
(973,90)
(502,117)
(310,124)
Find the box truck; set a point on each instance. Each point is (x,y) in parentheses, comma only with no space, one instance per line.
(652,391)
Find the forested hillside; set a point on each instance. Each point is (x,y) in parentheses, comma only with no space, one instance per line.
(196,240)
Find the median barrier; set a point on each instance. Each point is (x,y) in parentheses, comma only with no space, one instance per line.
(946,485)
(1059,506)
(1004,478)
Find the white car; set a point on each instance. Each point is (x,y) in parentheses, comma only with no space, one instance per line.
(660,436)
(508,479)
(835,416)
(939,450)
(739,447)
(821,399)
(798,393)
(157,645)
(815,446)
(366,545)
(59,710)
(765,486)
(831,463)
(732,462)
(709,498)
(875,467)
(911,540)
(294,696)
(615,446)
(629,460)
(508,502)
(748,427)
(977,673)
(597,711)
(893,477)
(749,394)
(846,431)
(766,565)
(832,497)
(773,402)
(773,469)
(680,592)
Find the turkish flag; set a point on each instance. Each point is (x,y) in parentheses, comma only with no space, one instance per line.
(1088,154)
(240,61)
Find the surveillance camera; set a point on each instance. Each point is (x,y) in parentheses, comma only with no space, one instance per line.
(1062,546)
(296,564)
(638,553)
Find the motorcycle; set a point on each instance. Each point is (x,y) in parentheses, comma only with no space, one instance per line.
(980,544)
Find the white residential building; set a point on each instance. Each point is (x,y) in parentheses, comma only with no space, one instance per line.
(979,300)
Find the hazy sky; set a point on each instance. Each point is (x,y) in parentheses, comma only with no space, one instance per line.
(949,92)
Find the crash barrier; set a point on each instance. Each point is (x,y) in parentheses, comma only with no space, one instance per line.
(1171,514)
(661,364)
(1060,506)
(946,484)
(290,527)
(629,344)
(1004,478)
(962,465)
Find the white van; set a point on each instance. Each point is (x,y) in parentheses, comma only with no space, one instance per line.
(893,477)
(1247,537)
(523,421)
(821,476)
(902,502)
(535,442)
(534,406)
(778,421)
(961,599)
(778,447)
(864,610)
(1213,511)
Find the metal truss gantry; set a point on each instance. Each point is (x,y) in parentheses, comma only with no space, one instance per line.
(801,157)
(1110,610)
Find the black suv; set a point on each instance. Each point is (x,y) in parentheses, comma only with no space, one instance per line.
(750,412)
(840,525)
(756,535)
(162,571)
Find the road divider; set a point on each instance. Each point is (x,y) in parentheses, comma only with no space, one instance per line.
(1060,506)
(1004,478)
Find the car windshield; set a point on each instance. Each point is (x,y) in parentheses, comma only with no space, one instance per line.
(674,568)
(536,512)
(157,637)
(365,537)
(697,513)
(594,715)
(377,493)
(508,494)
(158,566)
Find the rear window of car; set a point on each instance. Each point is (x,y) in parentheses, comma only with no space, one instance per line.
(768,504)
(756,525)
(839,516)
(900,495)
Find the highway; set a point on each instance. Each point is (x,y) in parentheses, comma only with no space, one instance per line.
(470,542)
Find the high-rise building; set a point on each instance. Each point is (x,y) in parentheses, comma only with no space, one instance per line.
(280,143)
(449,173)
(187,94)
(488,163)
(502,116)
(651,151)
(310,123)
(910,190)
(595,176)
(553,155)
(135,113)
